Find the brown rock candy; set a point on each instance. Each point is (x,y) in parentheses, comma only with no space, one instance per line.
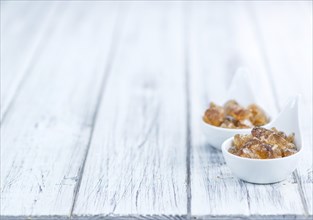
(229,122)
(263,143)
(240,140)
(257,116)
(244,124)
(261,133)
(232,108)
(214,115)
(232,115)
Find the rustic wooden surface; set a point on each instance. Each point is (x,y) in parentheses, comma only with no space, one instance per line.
(101,104)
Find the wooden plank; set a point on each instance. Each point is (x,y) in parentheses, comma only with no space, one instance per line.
(214,190)
(287,41)
(222,38)
(136,165)
(45,133)
(24,26)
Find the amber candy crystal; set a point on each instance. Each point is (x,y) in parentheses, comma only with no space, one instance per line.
(233,109)
(240,140)
(261,133)
(229,122)
(257,116)
(214,115)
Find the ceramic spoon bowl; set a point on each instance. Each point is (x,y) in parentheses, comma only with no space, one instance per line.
(265,171)
(241,91)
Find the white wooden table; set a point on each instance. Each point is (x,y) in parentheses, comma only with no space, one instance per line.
(101,106)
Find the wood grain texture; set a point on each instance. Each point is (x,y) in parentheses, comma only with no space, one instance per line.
(228,42)
(24,28)
(136,165)
(290,60)
(45,133)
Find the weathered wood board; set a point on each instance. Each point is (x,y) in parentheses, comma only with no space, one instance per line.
(136,165)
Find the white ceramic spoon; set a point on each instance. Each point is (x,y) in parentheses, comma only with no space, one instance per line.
(241,91)
(265,171)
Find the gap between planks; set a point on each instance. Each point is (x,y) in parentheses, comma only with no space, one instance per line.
(188,109)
